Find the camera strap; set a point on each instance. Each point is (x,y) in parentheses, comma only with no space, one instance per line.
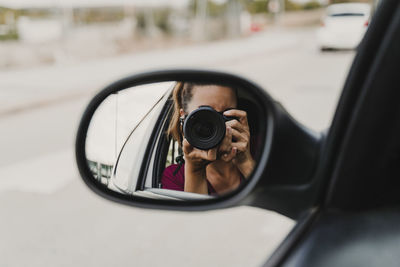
(180,160)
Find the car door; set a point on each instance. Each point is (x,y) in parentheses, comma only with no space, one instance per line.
(356,221)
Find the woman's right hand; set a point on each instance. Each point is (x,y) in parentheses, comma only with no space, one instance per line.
(198,158)
(196,161)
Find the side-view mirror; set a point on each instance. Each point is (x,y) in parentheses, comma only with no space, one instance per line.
(192,140)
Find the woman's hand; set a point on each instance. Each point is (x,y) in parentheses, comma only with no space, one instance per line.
(196,157)
(196,161)
(226,151)
(240,132)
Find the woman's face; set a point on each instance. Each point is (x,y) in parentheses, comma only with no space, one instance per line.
(218,97)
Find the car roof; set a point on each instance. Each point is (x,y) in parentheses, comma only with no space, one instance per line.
(349,8)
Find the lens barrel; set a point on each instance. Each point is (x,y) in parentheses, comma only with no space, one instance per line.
(204,128)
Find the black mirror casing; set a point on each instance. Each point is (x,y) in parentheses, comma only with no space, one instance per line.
(290,152)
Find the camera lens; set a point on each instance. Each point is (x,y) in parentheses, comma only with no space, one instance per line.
(204,128)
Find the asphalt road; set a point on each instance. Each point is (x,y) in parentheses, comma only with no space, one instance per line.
(49,218)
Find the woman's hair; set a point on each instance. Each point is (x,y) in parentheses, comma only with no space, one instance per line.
(182,95)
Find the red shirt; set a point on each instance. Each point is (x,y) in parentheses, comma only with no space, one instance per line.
(177,181)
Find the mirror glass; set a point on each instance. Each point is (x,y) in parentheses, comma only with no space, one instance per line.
(176,140)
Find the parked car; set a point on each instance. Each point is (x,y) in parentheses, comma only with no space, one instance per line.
(341,185)
(344,25)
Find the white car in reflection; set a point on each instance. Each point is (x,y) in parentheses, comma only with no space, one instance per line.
(343,26)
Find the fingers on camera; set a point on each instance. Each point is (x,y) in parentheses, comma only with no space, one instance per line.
(229,156)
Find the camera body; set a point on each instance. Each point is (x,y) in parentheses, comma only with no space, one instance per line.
(204,128)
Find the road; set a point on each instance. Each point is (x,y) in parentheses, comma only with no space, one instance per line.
(49,218)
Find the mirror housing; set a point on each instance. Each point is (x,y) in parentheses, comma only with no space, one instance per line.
(290,152)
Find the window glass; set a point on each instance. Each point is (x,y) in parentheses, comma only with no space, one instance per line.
(119,122)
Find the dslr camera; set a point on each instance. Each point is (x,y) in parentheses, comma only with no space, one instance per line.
(204,128)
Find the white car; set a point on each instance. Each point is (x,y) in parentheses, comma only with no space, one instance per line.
(343,26)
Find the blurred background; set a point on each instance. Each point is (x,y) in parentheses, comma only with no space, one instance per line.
(55,55)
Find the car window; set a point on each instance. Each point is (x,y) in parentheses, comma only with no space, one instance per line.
(347,15)
(121,120)
(173,151)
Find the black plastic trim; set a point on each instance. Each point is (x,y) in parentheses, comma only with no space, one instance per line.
(162,149)
(150,148)
(296,235)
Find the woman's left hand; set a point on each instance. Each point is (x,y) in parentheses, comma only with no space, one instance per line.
(241,141)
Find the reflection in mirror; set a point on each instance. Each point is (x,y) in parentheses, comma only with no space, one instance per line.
(175,140)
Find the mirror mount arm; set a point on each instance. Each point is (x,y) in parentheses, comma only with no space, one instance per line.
(289,185)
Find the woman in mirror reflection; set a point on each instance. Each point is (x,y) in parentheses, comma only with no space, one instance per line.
(217,170)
